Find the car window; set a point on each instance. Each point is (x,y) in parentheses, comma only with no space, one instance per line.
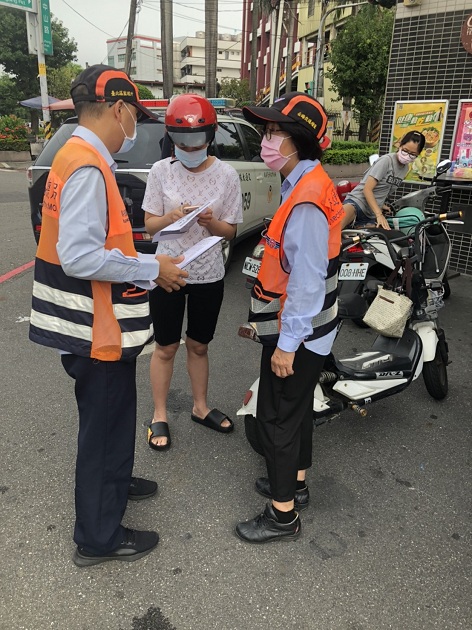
(146,150)
(253,141)
(228,142)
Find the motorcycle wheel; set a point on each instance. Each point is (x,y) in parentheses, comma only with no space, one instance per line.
(447,288)
(251,433)
(435,376)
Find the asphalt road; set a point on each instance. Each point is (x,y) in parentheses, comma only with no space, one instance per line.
(385,543)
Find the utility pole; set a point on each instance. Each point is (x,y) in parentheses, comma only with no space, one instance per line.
(274,79)
(129,39)
(167,48)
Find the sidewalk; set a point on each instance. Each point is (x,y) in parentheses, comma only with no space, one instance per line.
(16,166)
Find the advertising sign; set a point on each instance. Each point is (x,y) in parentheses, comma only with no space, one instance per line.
(461,149)
(429,118)
(26,5)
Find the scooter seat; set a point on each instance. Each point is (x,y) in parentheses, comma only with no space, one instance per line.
(388,358)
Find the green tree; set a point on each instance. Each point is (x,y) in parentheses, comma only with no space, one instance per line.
(60,79)
(237,89)
(144,92)
(14,56)
(9,97)
(359,59)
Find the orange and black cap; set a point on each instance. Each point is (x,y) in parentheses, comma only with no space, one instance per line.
(293,107)
(105,84)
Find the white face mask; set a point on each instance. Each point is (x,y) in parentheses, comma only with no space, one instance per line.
(128,142)
(191,159)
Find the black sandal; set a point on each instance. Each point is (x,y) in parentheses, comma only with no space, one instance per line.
(158,429)
(213,420)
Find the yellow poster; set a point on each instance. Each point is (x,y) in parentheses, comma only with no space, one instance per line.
(428,117)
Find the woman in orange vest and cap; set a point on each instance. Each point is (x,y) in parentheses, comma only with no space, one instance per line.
(293,307)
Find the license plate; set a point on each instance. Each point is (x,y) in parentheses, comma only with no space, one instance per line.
(353,271)
(251,267)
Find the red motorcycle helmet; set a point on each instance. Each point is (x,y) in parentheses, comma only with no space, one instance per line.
(190,120)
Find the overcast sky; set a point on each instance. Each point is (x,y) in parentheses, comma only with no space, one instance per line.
(92,22)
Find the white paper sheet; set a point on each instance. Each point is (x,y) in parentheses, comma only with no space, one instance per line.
(198,249)
(174,230)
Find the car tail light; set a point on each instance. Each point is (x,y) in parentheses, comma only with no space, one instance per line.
(29,176)
(37,228)
(247,397)
(141,236)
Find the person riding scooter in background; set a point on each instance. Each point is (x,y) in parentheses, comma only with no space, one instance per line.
(363,205)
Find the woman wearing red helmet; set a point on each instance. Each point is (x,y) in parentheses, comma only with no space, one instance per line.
(190,178)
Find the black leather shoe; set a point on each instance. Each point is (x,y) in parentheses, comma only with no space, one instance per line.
(136,544)
(302,497)
(266,528)
(141,489)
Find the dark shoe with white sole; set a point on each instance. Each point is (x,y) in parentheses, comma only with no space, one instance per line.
(140,489)
(135,545)
(266,528)
(302,497)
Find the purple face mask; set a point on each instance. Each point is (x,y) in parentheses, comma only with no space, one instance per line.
(270,153)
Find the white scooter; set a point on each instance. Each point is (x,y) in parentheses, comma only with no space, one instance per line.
(391,364)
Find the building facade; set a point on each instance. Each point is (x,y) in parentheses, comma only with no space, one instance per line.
(192,59)
(189,61)
(428,61)
(266,32)
(146,58)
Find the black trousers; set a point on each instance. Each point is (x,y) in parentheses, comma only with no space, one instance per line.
(106,399)
(285,419)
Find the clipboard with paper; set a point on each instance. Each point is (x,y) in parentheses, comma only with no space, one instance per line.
(182,225)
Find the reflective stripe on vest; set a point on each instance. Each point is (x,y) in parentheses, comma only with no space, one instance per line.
(103,320)
(269,292)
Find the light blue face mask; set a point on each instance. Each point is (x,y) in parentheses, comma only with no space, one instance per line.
(128,142)
(191,159)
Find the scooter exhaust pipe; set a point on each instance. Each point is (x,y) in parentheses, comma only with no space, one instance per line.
(360,410)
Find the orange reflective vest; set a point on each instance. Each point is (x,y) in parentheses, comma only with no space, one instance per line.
(102,320)
(270,288)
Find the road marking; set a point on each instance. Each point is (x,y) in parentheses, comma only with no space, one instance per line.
(15,272)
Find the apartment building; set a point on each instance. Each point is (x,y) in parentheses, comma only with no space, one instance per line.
(192,59)
(189,60)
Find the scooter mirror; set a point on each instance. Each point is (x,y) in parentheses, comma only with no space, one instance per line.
(373,158)
(443,166)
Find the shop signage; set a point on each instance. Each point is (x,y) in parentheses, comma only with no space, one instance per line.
(428,117)
(466,34)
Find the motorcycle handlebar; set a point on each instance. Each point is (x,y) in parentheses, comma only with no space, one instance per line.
(447,216)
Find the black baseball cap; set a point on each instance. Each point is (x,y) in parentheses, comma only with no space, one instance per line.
(106,84)
(293,107)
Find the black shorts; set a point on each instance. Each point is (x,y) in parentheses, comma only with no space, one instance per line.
(203,307)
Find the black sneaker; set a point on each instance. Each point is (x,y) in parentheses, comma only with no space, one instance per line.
(136,544)
(141,489)
(302,497)
(266,528)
